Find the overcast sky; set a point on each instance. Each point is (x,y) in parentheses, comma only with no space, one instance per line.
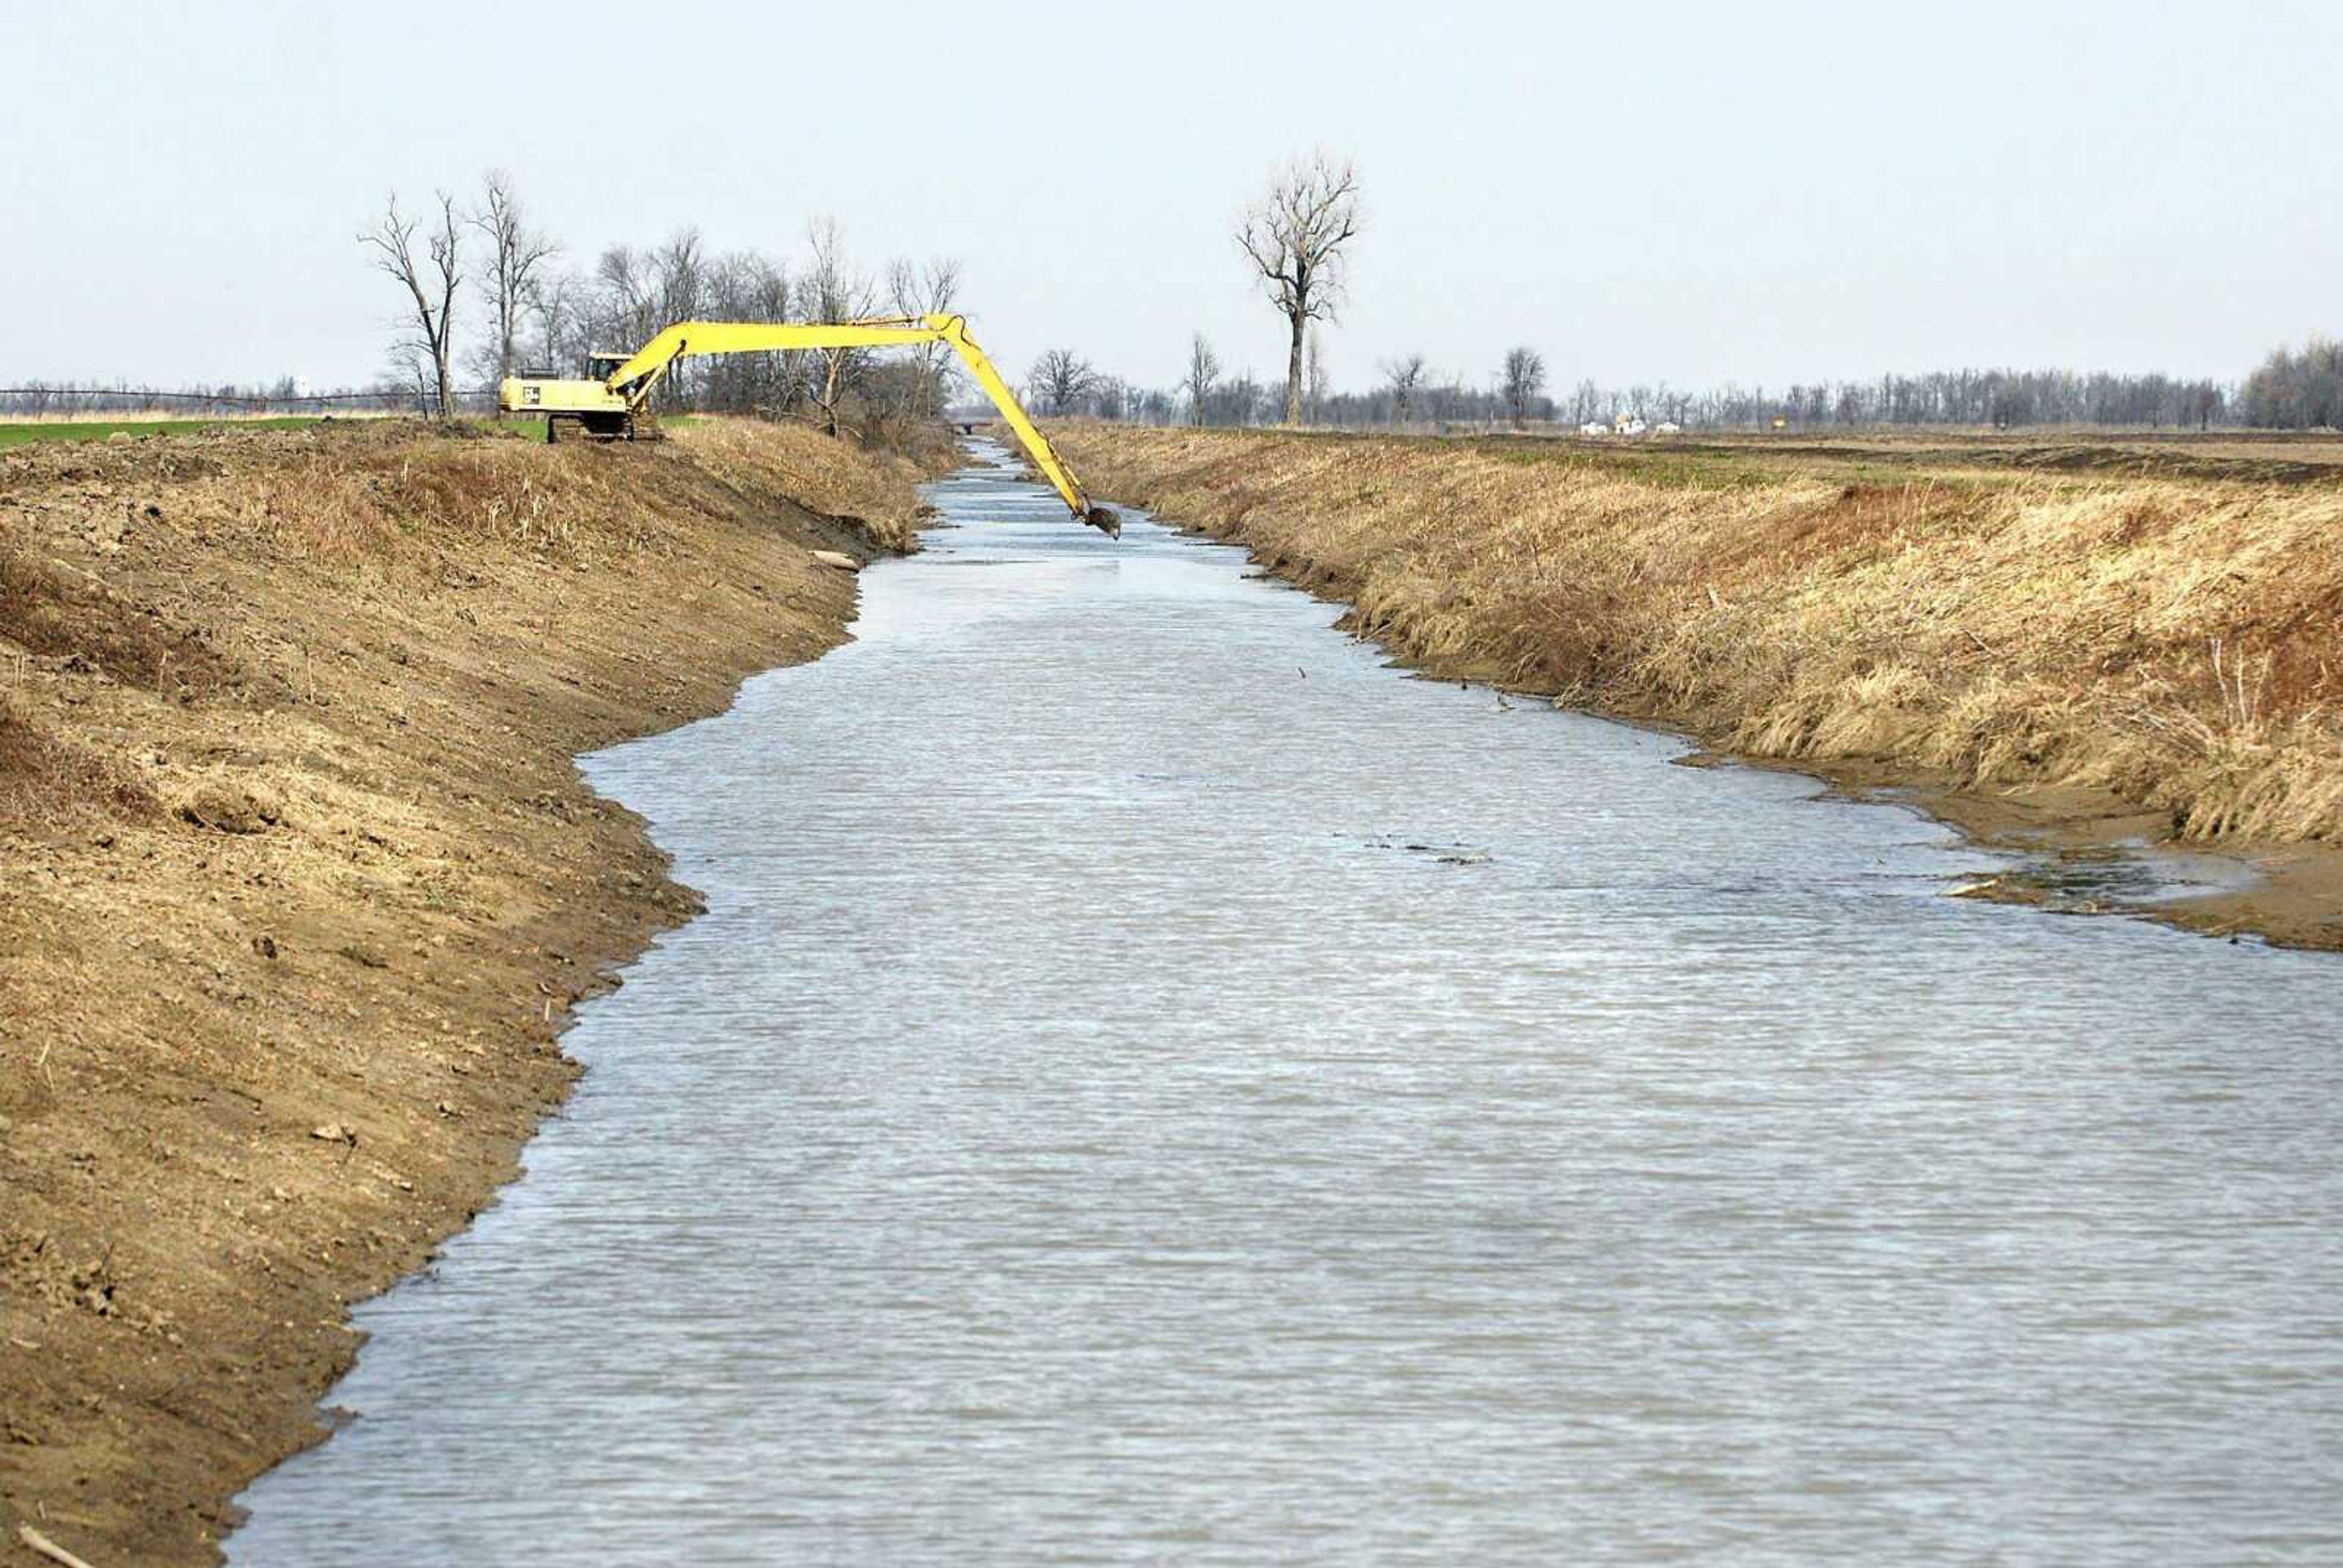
(1758,191)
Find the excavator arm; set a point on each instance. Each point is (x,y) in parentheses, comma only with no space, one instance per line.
(628,387)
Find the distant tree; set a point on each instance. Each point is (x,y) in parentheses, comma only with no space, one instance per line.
(1062,381)
(930,290)
(553,301)
(1523,380)
(1403,376)
(678,276)
(1314,395)
(1452,399)
(625,309)
(1203,373)
(679,290)
(1296,236)
(430,287)
(1107,398)
(1238,400)
(2202,402)
(745,285)
(410,371)
(830,290)
(516,252)
(2297,389)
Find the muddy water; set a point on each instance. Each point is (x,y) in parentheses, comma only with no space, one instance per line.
(1153,1084)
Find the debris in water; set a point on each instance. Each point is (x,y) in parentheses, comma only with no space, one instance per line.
(1447,854)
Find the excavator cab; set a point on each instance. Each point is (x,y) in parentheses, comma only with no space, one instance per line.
(588,405)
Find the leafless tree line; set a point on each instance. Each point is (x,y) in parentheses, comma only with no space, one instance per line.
(1411,394)
(285,394)
(2296,389)
(543,315)
(1296,239)
(2291,390)
(2000,398)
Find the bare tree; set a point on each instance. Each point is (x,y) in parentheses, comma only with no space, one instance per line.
(1451,400)
(747,286)
(1403,375)
(1585,403)
(930,290)
(832,290)
(1525,379)
(1061,380)
(1295,237)
(1315,393)
(515,252)
(626,306)
(411,373)
(2297,388)
(679,268)
(1108,397)
(553,301)
(1240,399)
(669,285)
(431,295)
(1203,372)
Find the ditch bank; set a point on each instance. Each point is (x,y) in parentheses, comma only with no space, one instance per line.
(301,883)
(2072,666)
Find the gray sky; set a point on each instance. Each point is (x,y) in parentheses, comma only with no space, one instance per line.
(1763,190)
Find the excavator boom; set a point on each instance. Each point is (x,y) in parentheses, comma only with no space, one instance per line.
(615,403)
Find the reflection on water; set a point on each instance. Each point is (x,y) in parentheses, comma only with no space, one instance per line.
(1153,1084)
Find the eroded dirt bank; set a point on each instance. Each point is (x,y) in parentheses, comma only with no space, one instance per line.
(2048,655)
(300,884)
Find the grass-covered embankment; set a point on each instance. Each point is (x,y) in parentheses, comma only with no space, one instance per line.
(301,884)
(2173,644)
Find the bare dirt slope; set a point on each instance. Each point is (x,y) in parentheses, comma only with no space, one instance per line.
(300,884)
(2065,655)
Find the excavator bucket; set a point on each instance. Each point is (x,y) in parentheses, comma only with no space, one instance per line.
(1104,519)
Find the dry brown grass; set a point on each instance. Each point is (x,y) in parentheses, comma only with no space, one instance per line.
(48,781)
(818,472)
(2172,640)
(353,880)
(48,612)
(379,498)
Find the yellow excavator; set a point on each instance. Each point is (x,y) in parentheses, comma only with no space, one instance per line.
(618,406)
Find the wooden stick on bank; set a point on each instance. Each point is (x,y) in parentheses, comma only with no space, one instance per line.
(48,1548)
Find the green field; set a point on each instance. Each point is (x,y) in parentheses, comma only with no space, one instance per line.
(21,433)
(18,433)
